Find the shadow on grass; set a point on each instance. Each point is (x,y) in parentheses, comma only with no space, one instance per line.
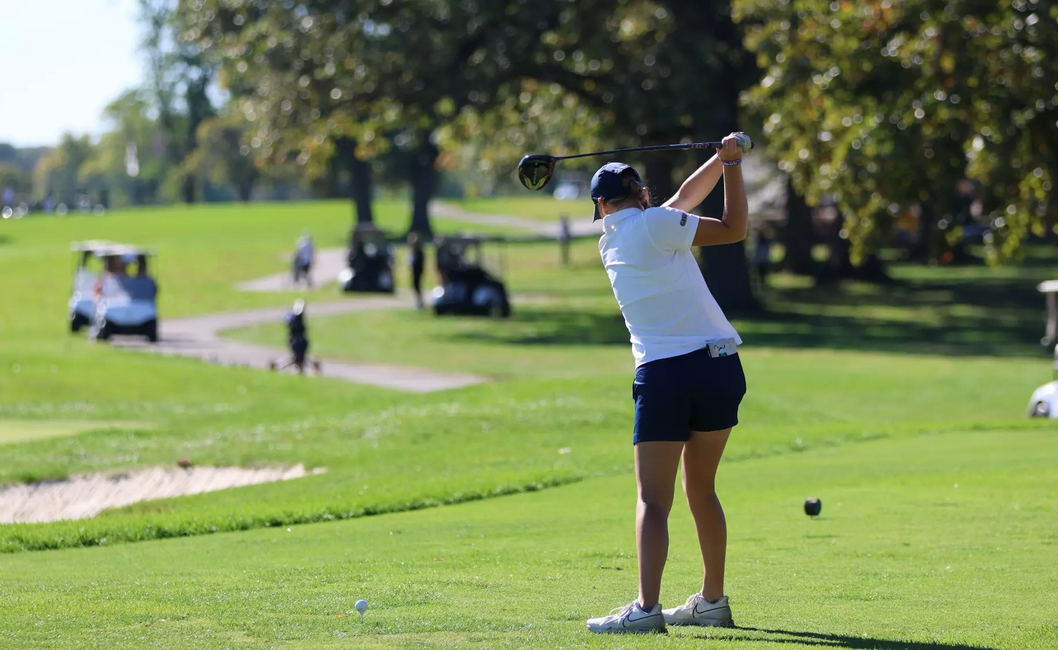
(972,313)
(551,326)
(952,337)
(841,641)
(965,311)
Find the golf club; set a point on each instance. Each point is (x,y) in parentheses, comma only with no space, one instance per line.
(535,170)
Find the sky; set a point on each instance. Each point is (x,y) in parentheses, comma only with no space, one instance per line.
(61,63)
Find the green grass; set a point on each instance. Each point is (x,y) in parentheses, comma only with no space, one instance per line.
(371,440)
(877,399)
(941,541)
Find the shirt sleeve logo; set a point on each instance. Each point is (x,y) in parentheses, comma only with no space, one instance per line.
(683,219)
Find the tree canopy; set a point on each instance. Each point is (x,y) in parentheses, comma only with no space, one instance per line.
(888,105)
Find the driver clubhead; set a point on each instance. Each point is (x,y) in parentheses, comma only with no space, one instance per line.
(535,171)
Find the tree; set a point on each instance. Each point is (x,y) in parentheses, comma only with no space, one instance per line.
(129,160)
(1014,152)
(668,71)
(13,177)
(223,155)
(58,172)
(324,78)
(799,235)
(179,76)
(886,105)
(529,116)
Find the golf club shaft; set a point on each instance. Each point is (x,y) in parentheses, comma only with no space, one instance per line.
(655,147)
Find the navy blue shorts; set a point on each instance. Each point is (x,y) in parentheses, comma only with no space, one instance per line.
(691,392)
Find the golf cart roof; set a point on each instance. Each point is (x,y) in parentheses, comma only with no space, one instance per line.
(101,248)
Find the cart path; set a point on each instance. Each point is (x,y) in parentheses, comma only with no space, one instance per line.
(199,337)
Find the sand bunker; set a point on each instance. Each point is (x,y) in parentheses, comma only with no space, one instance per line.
(80,497)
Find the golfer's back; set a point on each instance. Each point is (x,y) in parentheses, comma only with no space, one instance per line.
(667,307)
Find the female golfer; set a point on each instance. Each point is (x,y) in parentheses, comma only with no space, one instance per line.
(688,381)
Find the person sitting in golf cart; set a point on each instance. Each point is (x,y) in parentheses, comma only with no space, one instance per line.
(114,266)
(147,287)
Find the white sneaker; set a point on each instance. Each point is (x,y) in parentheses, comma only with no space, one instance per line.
(699,611)
(629,619)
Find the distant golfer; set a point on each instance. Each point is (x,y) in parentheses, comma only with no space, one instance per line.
(303,259)
(688,381)
(297,339)
(417,264)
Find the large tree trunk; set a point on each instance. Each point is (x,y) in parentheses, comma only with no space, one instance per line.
(926,224)
(359,178)
(726,272)
(840,266)
(329,184)
(187,189)
(246,189)
(799,236)
(840,263)
(198,109)
(423,183)
(659,177)
(725,268)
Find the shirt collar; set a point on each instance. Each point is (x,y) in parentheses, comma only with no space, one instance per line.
(620,215)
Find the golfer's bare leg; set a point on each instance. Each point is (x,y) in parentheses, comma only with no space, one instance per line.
(701,456)
(656,464)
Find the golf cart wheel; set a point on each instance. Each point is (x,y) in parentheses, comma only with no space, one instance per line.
(496,307)
(106,330)
(385,282)
(77,321)
(1041,410)
(150,330)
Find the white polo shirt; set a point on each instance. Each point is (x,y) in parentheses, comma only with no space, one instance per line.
(666,304)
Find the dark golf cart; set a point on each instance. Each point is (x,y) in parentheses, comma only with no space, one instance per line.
(370,262)
(467,287)
(107,296)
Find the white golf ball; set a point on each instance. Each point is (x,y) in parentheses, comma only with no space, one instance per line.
(361,605)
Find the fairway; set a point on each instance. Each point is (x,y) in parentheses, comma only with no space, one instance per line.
(499,514)
(12,431)
(909,547)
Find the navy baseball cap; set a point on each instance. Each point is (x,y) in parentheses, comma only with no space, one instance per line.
(608,185)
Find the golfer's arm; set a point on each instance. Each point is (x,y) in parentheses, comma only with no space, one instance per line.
(732,227)
(697,186)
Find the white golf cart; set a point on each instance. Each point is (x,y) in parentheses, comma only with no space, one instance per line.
(1044,400)
(108,296)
